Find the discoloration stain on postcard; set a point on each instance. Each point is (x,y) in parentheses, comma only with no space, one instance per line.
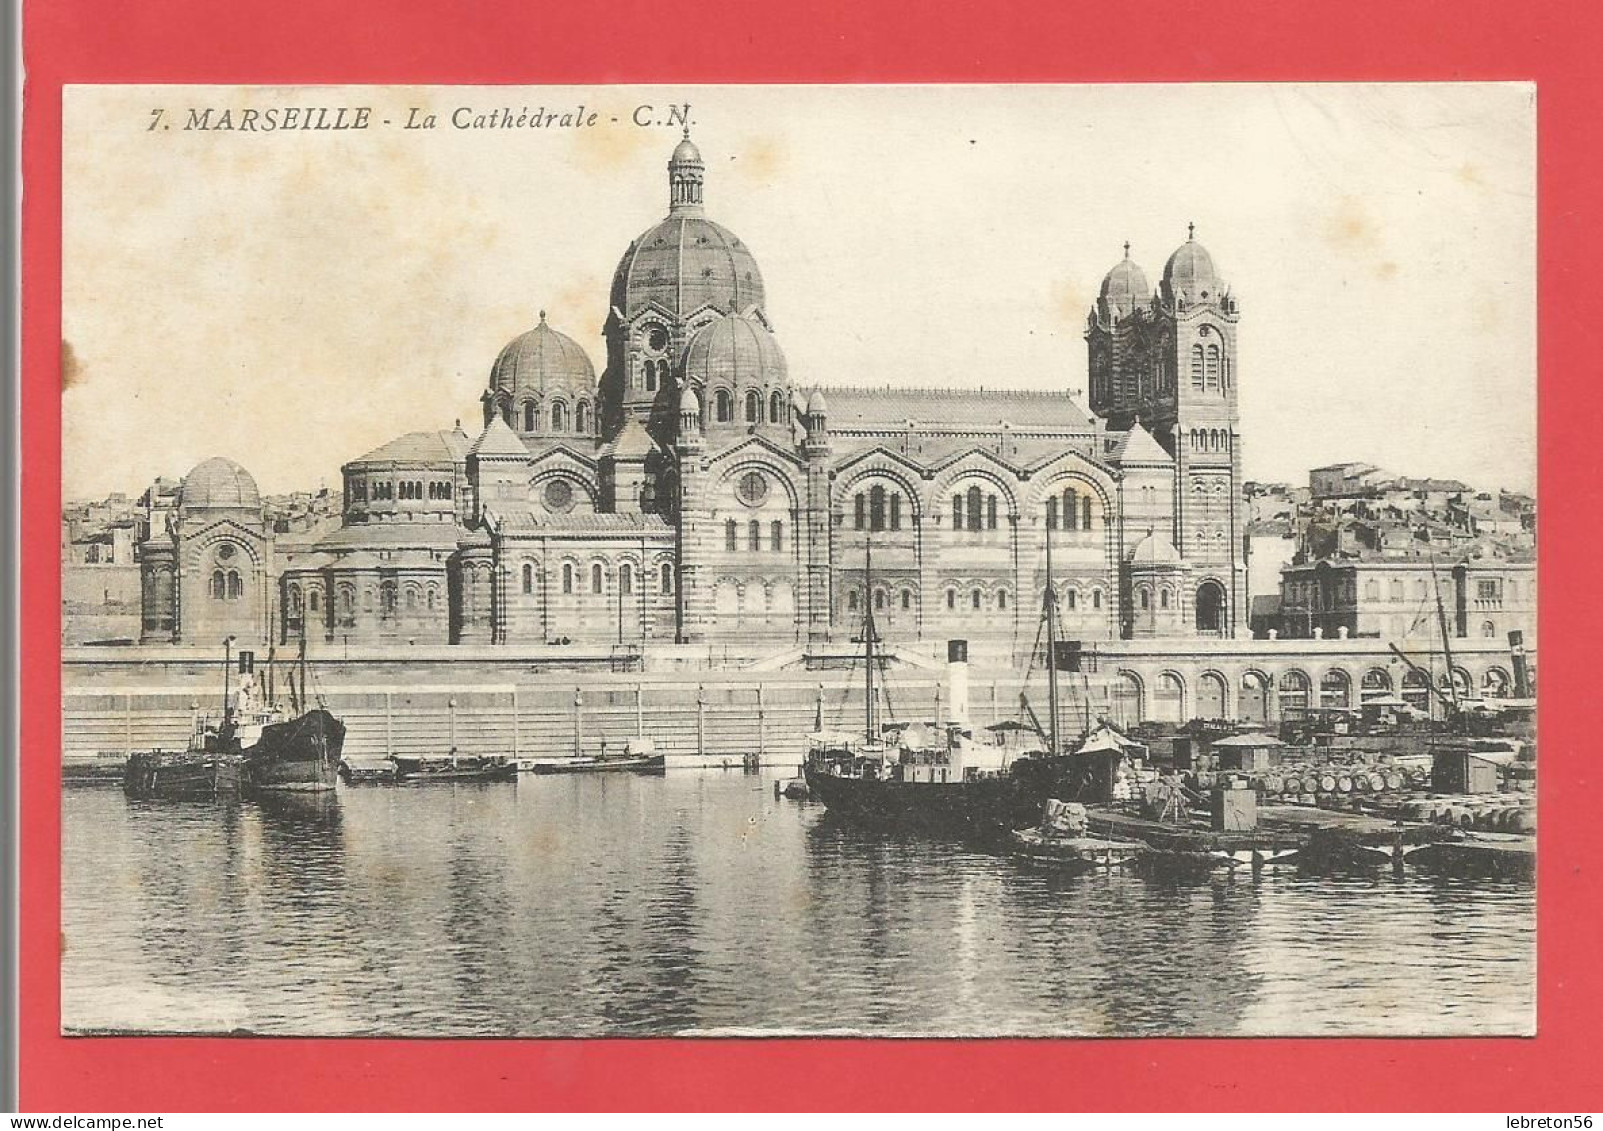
(72,372)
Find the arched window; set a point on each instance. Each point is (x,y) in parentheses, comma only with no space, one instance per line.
(974,515)
(851,600)
(879,599)
(1096,598)
(1488,630)
(411,598)
(314,601)
(975,598)
(990,512)
(432,597)
(386,598)
(581,418)
(723,406)
(896,511)
(731,536)
(528,578)
(1146,599)
(595,578)
(776,409)
(859,511)
(1196,368)
(530,416)
(1001,598)
(876,508)
(1070,597)
(667,579)
(219,585)
(1212,370)
(951,598)
(754,536)
(559,417)
(235,588)
(957,512)
(776,536)
(626,580)
(1052,513)
(1163,599)
(754,407)
(567,578)
(1085,512)
(907,598)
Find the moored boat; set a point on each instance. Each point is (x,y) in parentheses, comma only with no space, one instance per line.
(454,768)
(1061,840)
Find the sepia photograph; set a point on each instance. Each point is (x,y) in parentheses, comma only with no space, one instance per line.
(788,561)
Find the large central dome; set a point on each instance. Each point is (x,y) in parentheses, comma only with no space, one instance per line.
(686,261)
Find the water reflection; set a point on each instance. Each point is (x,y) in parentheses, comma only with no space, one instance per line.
(700,904)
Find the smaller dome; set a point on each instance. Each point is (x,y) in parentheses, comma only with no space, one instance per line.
(686,152)
(219,484)
(738,350)
(690,404)
(542,359)
(816,404)
(1124,288)
(1154,550)
(1189,275)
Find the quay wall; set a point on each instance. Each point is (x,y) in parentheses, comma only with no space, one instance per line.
(548,702)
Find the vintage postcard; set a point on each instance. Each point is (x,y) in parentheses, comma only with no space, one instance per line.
(884,560)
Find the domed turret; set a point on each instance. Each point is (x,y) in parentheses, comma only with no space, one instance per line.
(736,352)
(686,261)
(543,384)
(219,484)
(816,405)
(542,360)
(1189,276)
(1124,289)
(1154,551)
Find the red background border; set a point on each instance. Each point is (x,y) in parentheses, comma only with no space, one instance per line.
(502,41)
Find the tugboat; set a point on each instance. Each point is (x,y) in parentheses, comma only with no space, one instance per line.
(210,767)
(299,754)
(899,775)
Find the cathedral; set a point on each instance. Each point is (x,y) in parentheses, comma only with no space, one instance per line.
(697,492)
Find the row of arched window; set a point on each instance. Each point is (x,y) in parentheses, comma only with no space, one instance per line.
(974,510)
(754,536)
(654,375)
(571,577)
(358,488)
(393,598)
(226,585)
(1075,513)
(877,509)
(557,413)
(1209,439)
(775,409)
(1209,372)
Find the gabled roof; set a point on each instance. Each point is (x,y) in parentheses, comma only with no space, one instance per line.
(631,442)
(1137,446)
(523,519)
(755,440)
(498,441)
(889,406)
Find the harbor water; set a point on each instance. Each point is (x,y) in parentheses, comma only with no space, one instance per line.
(697,903)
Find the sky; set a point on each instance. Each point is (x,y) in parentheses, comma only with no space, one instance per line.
(293,299)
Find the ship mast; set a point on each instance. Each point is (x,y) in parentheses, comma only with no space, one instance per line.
(228,662)
(305,702)
(868,638)
(1447,648)
(1049,611)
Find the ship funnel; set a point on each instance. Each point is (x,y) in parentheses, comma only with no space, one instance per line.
(957,680)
